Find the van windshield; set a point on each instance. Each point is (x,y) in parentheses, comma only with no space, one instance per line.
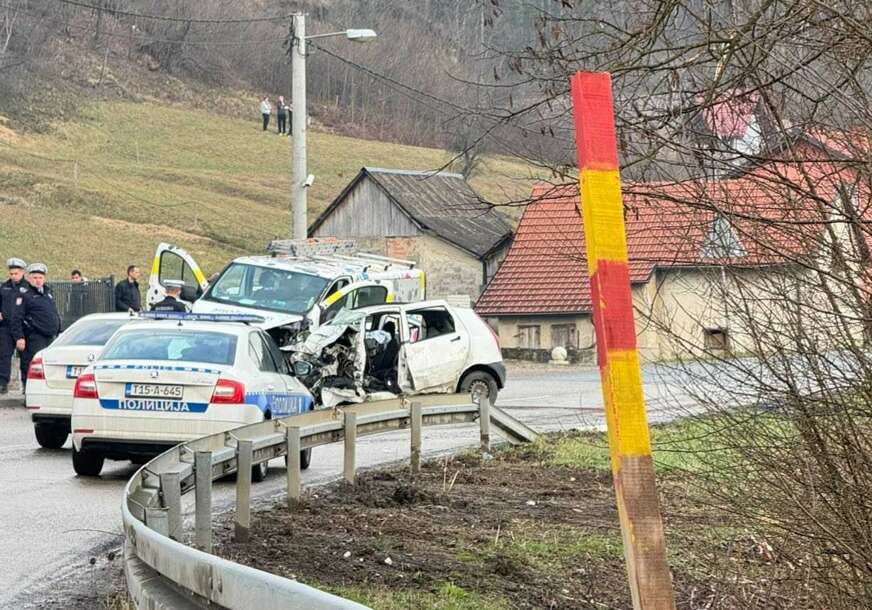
(267,288)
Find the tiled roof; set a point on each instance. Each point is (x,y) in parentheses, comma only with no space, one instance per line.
(437,202)
(743,222)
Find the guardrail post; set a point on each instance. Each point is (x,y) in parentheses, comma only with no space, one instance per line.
(292,434)
(244,459)
(416,423)
(350,445)
(156,519)
(171,490)
(484,422)
(203,500)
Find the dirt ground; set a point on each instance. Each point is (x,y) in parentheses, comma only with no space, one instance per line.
(512,530)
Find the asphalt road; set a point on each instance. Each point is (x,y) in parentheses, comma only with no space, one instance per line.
(54,523)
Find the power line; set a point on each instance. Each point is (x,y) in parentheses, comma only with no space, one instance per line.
(116,11)
(141,36)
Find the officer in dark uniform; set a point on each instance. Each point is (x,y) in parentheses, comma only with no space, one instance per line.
(171,302)
(36,322)
(11,294)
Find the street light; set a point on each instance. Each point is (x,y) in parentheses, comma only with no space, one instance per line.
(300,177)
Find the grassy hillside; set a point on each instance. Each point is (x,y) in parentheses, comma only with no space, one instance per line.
(101,192)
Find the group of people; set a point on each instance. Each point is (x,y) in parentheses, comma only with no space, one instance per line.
(29,319)
(283,114)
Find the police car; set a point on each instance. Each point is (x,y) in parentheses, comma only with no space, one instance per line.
(54,370)
(174,377)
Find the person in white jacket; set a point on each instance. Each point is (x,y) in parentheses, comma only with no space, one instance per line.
(265,110)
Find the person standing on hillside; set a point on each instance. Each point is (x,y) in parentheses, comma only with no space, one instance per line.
(127,297)
(11,296)
(281,115)
(265,110)
(36,322)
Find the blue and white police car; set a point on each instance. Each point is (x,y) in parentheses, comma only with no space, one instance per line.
(174,377)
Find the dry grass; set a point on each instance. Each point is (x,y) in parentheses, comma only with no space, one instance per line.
(100,192)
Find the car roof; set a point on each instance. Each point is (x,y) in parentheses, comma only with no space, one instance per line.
(109,315)
(231,328)
(406,306)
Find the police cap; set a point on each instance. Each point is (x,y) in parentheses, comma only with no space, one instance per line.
(37,268)
(16,263)
(177,284)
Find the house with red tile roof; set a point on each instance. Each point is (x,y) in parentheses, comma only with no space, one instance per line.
(692,246)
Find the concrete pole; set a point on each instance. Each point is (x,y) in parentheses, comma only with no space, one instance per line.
(292,436)
(298,127)
(203,500)
(416,423)
(349,463)
(244,462)
(484,422)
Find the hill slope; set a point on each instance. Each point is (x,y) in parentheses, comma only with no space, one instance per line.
(101,192)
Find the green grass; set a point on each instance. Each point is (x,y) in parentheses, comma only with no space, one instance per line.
(687,445)
(447,597)
(101,192)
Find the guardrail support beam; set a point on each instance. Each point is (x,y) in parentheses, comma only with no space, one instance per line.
(156,519)
(349,467)
(203,500)
(171,490)
(244,459)
(416,422)
(484,403)
(294,479)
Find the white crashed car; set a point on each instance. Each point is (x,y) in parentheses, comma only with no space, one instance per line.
(387,350)
(54,370)
(175,378)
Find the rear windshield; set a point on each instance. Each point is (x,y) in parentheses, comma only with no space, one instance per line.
(172,346)
(89,332)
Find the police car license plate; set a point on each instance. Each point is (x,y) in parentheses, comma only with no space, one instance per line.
(73,371)
(152,390)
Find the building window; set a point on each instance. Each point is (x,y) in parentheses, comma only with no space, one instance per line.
(716,340)
(528,336)
(564,335)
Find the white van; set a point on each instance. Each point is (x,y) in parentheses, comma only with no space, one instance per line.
(302,284)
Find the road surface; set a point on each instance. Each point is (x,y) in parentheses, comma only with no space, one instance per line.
(54,523)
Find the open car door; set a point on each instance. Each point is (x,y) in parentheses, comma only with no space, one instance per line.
(174,263)
(434,352)
(354,296)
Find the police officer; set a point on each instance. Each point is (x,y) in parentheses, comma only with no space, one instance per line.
(11,295)
(171,302)
(36,322)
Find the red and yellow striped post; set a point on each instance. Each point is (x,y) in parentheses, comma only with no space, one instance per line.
(629,441)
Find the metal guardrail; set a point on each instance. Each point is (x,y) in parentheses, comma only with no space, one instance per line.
(163,573)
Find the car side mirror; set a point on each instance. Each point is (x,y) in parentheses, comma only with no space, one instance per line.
(302,368)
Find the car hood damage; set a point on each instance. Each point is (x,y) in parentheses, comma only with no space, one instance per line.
(347,364)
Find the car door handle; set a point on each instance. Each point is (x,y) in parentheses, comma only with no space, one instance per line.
(457,338)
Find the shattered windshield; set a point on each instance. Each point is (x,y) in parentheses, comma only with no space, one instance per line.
(349,317)
(267,288)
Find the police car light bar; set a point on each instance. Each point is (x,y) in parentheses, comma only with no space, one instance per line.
(202,317)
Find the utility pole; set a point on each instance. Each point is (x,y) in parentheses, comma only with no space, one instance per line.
(299,118)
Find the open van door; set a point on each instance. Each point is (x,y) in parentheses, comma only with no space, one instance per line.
(174,263)
(353,296)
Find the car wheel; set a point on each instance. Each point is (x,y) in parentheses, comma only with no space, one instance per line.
(49,437)
(87,464)
(259,472)
(305,458)
(480,383)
